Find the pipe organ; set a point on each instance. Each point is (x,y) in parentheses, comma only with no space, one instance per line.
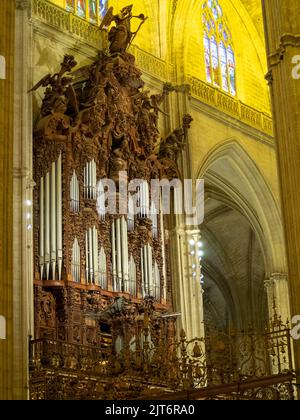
(91,253)
(147,270)
(120,261)
(90,180)
(154,220)
(144,199)
(76,270)
(92,130)
(102,269)
(74,193)
(131,213)
(101,209)
(50,226)
(132,277)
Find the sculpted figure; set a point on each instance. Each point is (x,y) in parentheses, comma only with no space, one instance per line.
(121,36)
(60,92)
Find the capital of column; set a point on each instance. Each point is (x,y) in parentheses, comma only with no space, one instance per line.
(287,40)
(22,4)
(275,278)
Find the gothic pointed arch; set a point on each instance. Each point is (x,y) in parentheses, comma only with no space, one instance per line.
(230,170)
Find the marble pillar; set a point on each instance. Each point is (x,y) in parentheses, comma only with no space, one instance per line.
(282,28)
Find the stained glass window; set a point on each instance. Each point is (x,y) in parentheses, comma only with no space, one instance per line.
(215,61)
(81,8)
(219,56)
(231,66)
(207,58)
(102,7)
(70,5)
(92,10)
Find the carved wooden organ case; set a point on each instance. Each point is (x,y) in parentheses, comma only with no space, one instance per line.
(94,125)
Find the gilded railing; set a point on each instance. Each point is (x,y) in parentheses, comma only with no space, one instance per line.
(231,106)
(217,362)
(68,22)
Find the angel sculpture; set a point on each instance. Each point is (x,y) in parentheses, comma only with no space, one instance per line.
(60,92)
(121,36)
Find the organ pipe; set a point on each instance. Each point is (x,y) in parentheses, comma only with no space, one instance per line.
(76,261)
(42,227)
(119,255)
(154,220)
(90,180)
(91,267)
(59,216)
(130,214)
(87,271)
(95,256)
(147,270)
(100,201)
(132,276)
(74,193)
(150,269)
(163,244)
(144,199)
(47,225)
(114,258)
(124,242)
(102,268)
(53,213)
(92,258)
(143,272)
(156,281)
(51,223)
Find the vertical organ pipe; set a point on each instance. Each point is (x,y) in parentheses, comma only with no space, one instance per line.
(119,255)
(87,268)
(59,216)
(130,214)
(78,264)
(53,212)
(143,272)
(73,262)
(146,284)
(126,261)
(94,179)
(84,181)
(124,245)
(90,233)
(95,256)
(77,194)
(90,180)
(114,261)
(150,270)
(162,231)
(47,225)
(42,255)
(72,192)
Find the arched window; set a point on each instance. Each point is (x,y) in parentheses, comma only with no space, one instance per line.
(218,50)
(92,10)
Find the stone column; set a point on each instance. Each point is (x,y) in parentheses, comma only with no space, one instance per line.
(278,293)
(187,290)
(282,27)
(7,25)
